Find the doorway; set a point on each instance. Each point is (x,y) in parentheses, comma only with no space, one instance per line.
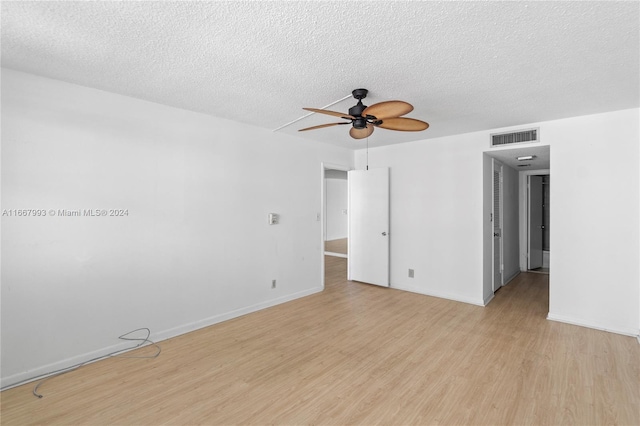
(538,223)
(367,222)
(336,213)
(505,211)
(333,177)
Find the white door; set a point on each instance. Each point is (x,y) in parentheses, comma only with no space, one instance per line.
(498,251)
(369,226)
(536,211)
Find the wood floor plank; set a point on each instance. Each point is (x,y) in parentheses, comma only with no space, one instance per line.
(361,354)
(336,246)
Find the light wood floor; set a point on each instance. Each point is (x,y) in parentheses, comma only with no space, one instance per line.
(336,246)
(360,354)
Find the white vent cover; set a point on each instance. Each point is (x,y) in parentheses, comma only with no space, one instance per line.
(522,136)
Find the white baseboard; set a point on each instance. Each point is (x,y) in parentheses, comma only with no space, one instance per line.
(441,295)
(49,369)
(634,332)
(177,331)
(508,280)
(45,370)
(488,299)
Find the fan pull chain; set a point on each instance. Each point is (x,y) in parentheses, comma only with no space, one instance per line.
(367,152)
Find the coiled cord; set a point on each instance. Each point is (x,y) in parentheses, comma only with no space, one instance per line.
(115,354)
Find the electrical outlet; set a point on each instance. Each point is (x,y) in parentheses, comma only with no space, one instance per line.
(273,283)
(410,273)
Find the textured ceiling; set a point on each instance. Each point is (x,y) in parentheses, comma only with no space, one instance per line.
(465,66)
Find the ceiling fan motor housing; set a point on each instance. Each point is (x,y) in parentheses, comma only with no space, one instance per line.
(356,111)
(359,122)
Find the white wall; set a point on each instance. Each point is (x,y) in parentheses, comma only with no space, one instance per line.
(438,218)
(594,221)
(195,248)
(335,204)
(487,229)
(436,192)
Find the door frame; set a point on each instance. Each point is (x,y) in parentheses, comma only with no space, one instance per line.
(321,215)
(523,177)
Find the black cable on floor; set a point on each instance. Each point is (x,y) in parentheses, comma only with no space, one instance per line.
(112,354)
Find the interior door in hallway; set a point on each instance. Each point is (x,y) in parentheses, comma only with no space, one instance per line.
(498,248)
(536,230)
(369,226)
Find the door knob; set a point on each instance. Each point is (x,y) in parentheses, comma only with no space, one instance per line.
(384,234)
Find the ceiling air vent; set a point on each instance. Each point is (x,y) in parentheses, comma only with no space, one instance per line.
(523,136)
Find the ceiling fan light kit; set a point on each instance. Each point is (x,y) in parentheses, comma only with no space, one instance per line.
(363,119)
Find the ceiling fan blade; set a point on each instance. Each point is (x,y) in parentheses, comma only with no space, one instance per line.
(334,113)
(361,133)
(403,124)
(388,109)
(322,125)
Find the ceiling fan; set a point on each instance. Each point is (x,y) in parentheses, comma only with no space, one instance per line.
(363,119)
